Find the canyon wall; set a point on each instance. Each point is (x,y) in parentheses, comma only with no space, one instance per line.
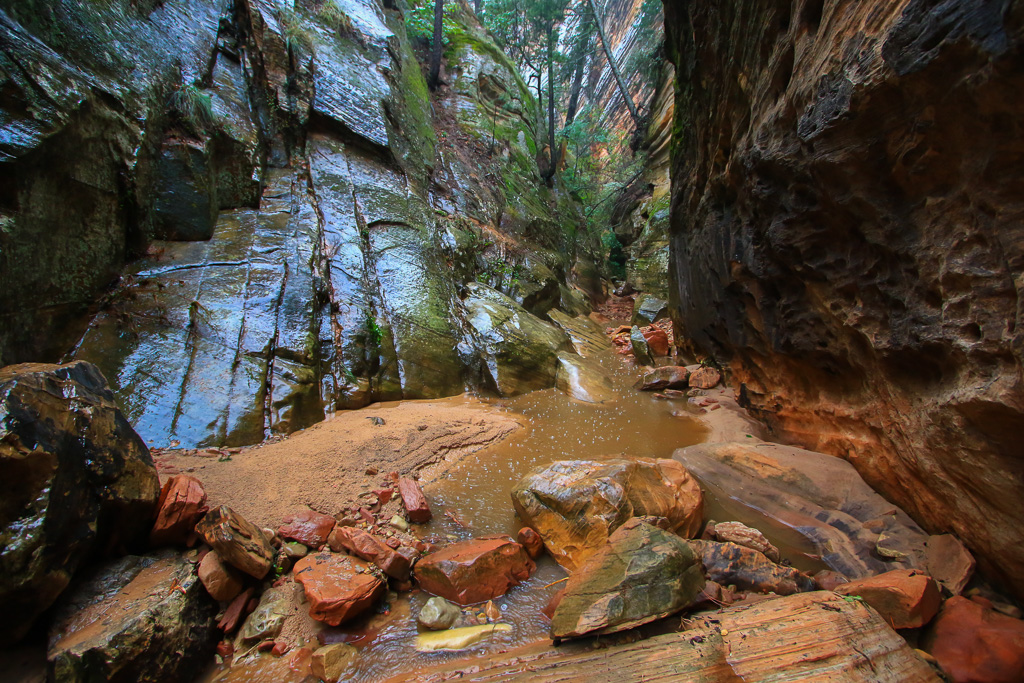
(846,236)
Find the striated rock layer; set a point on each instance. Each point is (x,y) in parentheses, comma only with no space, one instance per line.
(845,233)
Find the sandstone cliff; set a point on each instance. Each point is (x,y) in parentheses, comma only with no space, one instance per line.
(846,235)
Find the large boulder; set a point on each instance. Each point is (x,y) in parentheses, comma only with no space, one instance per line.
(575,505)
(519,350)
(854,530)
(338,587)
(75,479)
(748,569)
(643,573)
(975,644)
(473,571)
(583,380)
(145,619)
(586,336)
(905,598)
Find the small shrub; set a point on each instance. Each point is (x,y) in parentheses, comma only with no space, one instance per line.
(193,106)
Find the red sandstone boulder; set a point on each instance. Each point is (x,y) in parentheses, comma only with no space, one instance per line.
(667,377)
(237,541)
(221,580)
(475,571)
(182,504)
(338,587)
(705,378)
(905,598)
(414,501)
(531,540)
(657,341)
(741,534)
(372,549)
(307,527)
(976,645)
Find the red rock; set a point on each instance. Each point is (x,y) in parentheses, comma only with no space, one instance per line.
(338,587)
(280,648)
(225,649)
(475,571)
(367,516)
(393,543)
(307,527)
(414,500)
(976,645)
(372,549)
(905,598)
(829,580)
(222,581)
(182,504)
(236,612)
(531,540)
(266,646)
(705,378)
(949,562)
(657,341)
(384,495)
(237,541)
(549,609)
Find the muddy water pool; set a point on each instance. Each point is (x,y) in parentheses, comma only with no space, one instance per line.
(472,498)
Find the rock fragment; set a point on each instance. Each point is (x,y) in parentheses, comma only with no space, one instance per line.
(308,527)
(974,644)
(476,570)
(181,505)
(338,587)
(748,569)
(237,541)
(904,597)
(222,581)
(416,506)
(741,534)
(438,614)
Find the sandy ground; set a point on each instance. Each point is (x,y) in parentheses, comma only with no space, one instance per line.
(328,466)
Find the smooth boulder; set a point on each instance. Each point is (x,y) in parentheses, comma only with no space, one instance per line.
(974,644)
(438,614)
(338,587)
(576,505)
(308,527)
(642,574)
(75,479)
(583,380)
(748,569)
(905,598)
(476,570)
(139,619)
(666,377)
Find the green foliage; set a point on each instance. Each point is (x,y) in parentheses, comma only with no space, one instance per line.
(334,17)
(419,22)
(296,32)
(193,106)
(498,272)
(374,330)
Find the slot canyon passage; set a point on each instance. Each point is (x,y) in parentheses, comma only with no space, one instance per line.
(540,340)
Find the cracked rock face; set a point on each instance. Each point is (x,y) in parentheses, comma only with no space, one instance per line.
(845,234)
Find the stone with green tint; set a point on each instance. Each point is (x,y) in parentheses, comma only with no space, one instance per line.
(642,574)
(648,308)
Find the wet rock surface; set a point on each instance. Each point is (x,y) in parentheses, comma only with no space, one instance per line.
(748,569)
(976,644)
(864,298)
(308,527)
(643,573)
(583,380)
(575,505)
(338,587)
(181,505)
(237,541)
(473,571)
(137,619)
(75,481)
(438,614)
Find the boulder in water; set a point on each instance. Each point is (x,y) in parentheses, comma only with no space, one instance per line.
(145,619)
(338,587)
(332,663)
(641,350)
(643,573)
(583,380)
(438,614)
(474,571)
(666,377)
(575,505)
(75,479)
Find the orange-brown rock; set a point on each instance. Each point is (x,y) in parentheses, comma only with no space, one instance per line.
(666,377)
(182,504)
(222,581)
(531,540)
(657,341)
(829,580)
(705,378)
(905,598)
(741,534)
(976,645)
(307,527)
(575,505)
(862,274)
(948,562)
(338,587)
(372,549)
(237,541)
(416,505)
(748,569)
(475,571)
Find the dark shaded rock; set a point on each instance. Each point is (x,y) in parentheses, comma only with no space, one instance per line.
(181,505)
(222,581)
(648,308)
(731,564)
(237,541)
(575,505)
(842,236)
(642,574)
(583,380)
(75,480)
(741,534)
(138,619)
(641,350)
(974,644)
(667,377)
(473,571)
(338,587)
(905,598)
(185,192)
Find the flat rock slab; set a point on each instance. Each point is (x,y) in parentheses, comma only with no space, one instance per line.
(810,636)
(137,619)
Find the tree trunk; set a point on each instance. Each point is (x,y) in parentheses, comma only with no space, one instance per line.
(615,67)
(435,55)
(577,88)
(553,156)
